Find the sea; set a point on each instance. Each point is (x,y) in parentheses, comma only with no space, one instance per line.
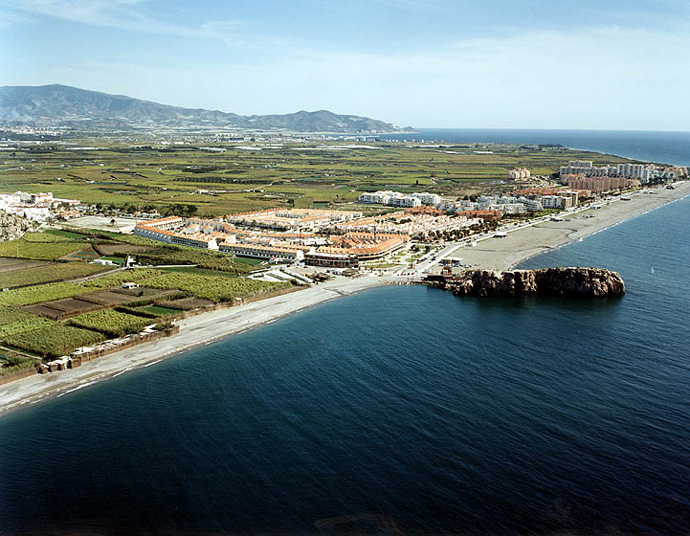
(398,410)
(667,147)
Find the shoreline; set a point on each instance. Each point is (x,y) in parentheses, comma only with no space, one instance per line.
(526,242)
(206,328)
(195,331)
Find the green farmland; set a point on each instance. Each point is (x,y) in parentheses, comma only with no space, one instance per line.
(290,174)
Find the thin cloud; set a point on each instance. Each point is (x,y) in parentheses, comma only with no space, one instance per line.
(130,15)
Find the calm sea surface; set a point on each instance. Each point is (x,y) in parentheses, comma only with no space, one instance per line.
(434,413)
(662,147)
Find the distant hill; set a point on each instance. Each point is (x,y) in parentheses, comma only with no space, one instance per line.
(58,105)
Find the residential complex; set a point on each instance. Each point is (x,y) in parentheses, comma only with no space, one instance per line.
(645,173)
(260,235)
(397,199)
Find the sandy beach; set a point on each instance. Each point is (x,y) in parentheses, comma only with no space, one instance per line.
(490,253)
(523,243)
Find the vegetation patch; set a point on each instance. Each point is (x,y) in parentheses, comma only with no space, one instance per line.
(109,322)
(45,251)
(155,311)
(41,293)
(11,362)
(48,274)
(210,260)
(54,340)
(185,304)
(215,288)
(14,321)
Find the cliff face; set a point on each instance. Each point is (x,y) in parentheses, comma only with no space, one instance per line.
(569,282)
(12,226)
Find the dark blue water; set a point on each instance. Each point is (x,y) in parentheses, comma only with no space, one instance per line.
(662,147)
(435,412)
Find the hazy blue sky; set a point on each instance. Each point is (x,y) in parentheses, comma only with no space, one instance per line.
(492,63)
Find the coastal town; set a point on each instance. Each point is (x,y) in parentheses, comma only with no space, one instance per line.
(109,287)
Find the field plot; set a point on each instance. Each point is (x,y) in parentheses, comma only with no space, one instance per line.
(48,273)
(14,320)
(9,264)
(46,251)
(117,248)
(11,362)
(40,293)
(186,304)
(157,311)
(111,323)
(65,308)
(53,340)
(217,289)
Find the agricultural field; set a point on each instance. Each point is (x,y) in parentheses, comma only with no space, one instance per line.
(11,362)
(188,178)
(215,288)
(31,249)
(185,304)
(14,321)
(157,311)
(49,273)
(53,340)
(111,323)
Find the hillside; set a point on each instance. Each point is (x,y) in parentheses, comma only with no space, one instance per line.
(58,105)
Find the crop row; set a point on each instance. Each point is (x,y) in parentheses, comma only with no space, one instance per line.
(57,291)
(44,251)
(53,340)
(111,322)
(45,274)
(14,321)
(215,288)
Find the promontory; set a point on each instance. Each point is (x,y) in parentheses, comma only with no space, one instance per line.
(567,282)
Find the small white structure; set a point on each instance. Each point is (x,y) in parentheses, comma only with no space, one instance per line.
(130,285)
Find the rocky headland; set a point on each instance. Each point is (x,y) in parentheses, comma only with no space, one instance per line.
(567,282)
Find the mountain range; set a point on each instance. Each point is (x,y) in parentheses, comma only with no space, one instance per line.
(65,106)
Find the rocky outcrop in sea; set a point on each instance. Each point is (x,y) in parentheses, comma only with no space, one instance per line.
(567,282)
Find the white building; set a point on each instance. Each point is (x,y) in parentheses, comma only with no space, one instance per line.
(556,201)
(397,199)
(519,173)
(428,199)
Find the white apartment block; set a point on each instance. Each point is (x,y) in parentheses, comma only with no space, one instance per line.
(392,199)
(556,201)
(428,199)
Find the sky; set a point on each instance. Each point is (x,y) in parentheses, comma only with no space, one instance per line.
(605,64)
